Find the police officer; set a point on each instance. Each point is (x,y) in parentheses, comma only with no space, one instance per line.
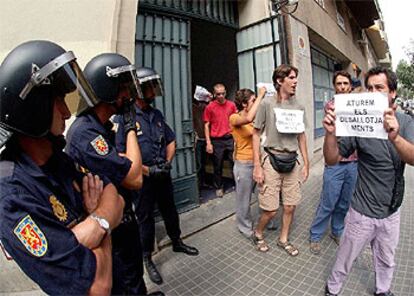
(157,142)
(54,221)
(91,143)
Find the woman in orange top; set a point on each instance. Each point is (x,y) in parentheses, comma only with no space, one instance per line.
(242,131)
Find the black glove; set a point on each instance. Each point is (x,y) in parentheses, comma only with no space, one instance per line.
(166,166)
(158,171)
(129,117)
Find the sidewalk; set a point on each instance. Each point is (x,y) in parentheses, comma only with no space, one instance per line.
(228,263)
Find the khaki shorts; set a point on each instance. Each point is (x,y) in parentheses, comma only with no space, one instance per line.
(274,183)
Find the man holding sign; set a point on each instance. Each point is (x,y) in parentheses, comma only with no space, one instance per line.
(280,121)
(338,182)
(374,215)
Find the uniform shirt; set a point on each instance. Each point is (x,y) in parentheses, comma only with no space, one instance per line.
(265,121)
(91,144)
(37,208)
(218,116)
(153,134)
(376,173)
(243,139)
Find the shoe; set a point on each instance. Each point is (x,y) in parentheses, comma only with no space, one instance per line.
(157,293)
(180,246)
(327,293)
(335,238)
(152,271)
(315,248)
(219,193)
(389,293)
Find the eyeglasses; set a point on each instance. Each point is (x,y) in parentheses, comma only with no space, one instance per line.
(220,94)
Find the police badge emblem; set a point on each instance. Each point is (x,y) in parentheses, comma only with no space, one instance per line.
(31,236)
(58,208)
(100,145)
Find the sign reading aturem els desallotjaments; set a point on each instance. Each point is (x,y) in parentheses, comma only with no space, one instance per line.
(361,115)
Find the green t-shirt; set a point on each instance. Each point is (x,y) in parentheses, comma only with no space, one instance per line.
(265,121)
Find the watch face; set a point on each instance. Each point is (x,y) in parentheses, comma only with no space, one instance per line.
(104,224)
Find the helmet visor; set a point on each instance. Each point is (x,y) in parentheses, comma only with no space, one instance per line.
(127,80)
(151,86)
(64,78)
(69,82)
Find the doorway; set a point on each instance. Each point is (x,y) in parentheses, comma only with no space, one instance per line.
(213,60)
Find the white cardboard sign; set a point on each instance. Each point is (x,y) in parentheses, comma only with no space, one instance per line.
(361,115)
(289,121)
(270,88)
(202,94)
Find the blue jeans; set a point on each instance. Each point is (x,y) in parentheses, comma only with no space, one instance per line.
(338,187)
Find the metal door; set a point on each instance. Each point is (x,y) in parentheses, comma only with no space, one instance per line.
(163,43)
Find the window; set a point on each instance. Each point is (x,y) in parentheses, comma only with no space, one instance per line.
(323,91)
(258,49)
(340,21)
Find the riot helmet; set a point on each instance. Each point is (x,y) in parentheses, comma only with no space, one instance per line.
(150,80)
(108,73)
(31,76)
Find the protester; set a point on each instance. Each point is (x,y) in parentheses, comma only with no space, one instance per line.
(277,170)
(338,185)
(242,131)
(219,141)
(200,102)
(374,215)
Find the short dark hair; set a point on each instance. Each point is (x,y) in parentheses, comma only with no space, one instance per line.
(392,80)
(281,72)
(242,97)
(341,73)
(217,85)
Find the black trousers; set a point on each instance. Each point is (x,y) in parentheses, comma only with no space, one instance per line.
(127,262)
(201,159)
(156,191)
(222,147)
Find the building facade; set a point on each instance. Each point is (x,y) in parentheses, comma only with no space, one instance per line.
(203,42)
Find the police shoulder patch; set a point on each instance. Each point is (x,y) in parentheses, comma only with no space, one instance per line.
(100,145)
(31,236)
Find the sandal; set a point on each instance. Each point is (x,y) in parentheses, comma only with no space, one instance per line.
(289,248)
(260,243)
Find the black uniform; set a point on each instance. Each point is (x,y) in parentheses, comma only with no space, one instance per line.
(92,145)
(153,137)
(38,206)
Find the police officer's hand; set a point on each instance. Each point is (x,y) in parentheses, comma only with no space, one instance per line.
(157,171)
(92,187)
(166,166)
(89,233)
(129,117)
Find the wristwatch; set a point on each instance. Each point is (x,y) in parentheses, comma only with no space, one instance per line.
(102,222)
